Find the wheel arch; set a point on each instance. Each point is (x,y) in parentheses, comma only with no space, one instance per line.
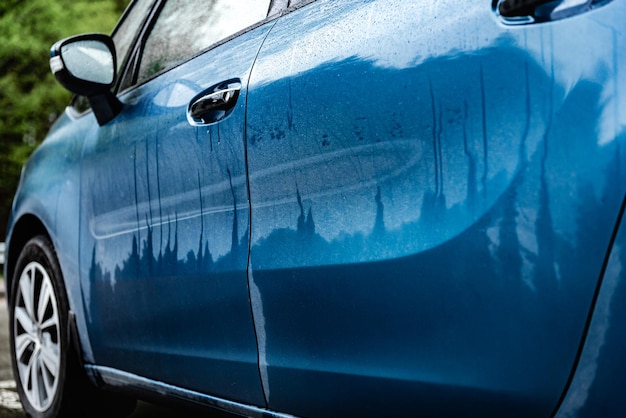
(25,228)
(28,226)
(76,393)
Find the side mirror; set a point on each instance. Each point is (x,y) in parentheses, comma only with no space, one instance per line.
(86,65)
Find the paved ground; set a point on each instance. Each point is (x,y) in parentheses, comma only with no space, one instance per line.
(9,402)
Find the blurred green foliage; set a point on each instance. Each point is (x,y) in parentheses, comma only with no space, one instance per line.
(30,98)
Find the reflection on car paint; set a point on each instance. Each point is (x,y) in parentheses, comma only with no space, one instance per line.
(174,236)
(412,201)
(601,363)
(487,248)
(427,216)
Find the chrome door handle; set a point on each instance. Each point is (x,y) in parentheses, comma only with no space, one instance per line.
(214,104)
(512,8)
(542,10)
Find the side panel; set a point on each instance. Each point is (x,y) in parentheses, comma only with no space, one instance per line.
(430,209)
(165,231)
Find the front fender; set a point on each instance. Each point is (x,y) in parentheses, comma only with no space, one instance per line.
(48,202)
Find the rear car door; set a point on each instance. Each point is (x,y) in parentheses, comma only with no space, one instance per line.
(165,218)
(433,190)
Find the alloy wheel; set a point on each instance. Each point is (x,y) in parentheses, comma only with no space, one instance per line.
(36,334)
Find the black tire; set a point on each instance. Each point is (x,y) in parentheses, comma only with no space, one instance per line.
(48,375)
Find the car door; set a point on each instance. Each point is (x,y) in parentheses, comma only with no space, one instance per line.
(433,188)
(165,218)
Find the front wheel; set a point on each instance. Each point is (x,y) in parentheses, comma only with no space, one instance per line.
(49,380)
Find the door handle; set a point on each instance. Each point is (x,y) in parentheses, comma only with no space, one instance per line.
(214,104)
(519,8)
(541,10)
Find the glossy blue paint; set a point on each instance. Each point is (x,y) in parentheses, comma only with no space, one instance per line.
(385,225)
(164,234)
(49,191)
(430,210)
(596,388)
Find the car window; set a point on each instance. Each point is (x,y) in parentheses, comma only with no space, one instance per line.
(126,31)
(277,6)
(186,27)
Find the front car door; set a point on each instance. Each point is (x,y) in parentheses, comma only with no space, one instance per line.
(165,221)
(433,192)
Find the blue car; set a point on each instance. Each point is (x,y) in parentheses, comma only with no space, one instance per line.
(330,208)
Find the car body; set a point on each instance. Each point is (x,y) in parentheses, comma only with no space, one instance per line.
(342,208)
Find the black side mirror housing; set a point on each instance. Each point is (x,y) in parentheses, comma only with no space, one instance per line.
(86,65)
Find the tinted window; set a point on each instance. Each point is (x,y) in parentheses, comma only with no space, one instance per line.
(186,27)
(127,29)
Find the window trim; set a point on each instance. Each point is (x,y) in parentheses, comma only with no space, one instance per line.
(130,66)
(129,69)
(140,46)
(277,7)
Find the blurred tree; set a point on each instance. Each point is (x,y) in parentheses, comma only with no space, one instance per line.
(30,98)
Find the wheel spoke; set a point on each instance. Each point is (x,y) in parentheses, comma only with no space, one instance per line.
(42,379)
(26,288)
(22,342)
(50,322)
(44,299)
(25,320)
(50,359)
(24,375)
(48,375)
(33,368)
